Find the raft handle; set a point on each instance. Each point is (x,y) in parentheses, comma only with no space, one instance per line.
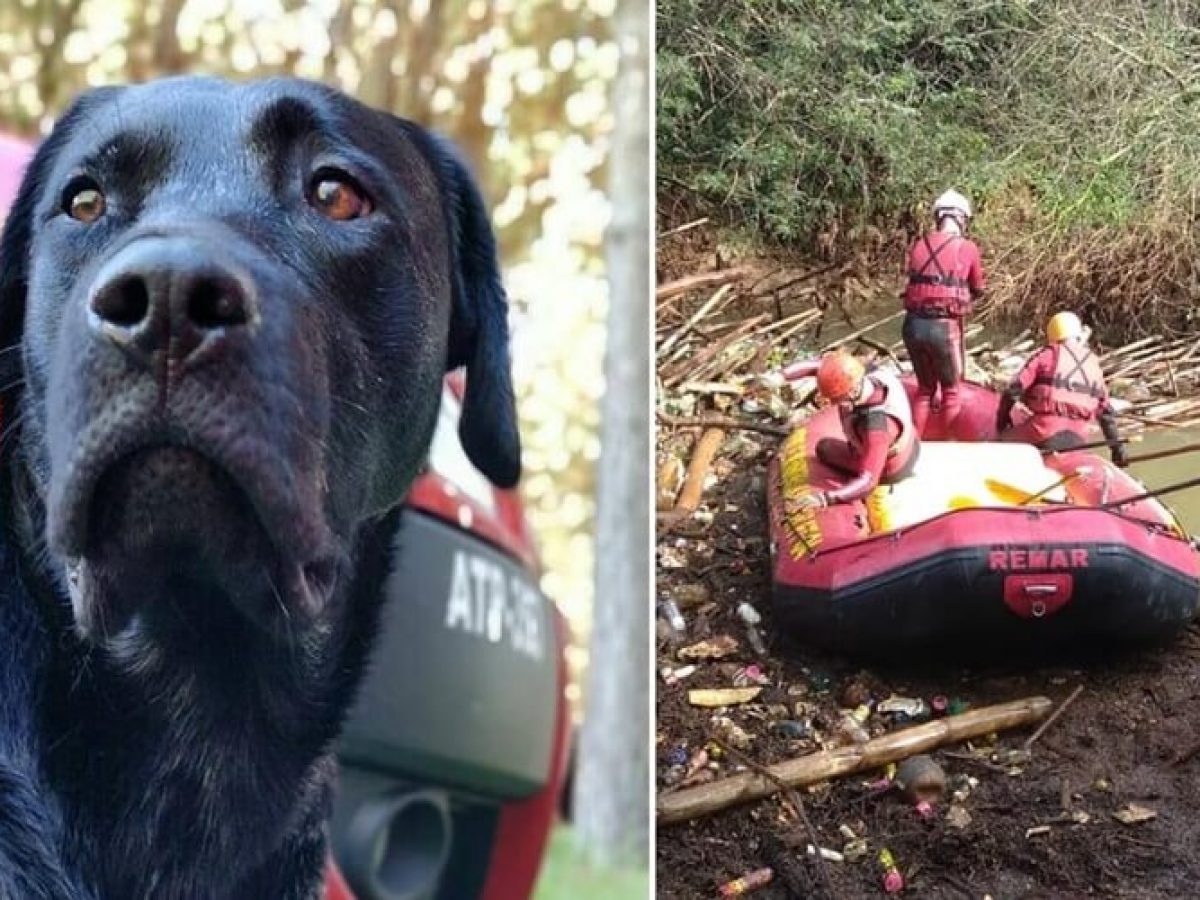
(1038,607)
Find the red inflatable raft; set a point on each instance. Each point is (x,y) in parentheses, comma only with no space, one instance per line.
(986,543)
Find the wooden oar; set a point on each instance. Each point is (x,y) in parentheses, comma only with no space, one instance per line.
(1157,492)
(961,501)
(1094,445)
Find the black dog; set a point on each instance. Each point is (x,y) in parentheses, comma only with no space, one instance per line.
(234,306)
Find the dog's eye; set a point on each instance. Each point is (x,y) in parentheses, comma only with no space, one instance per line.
(337,197)
(83,201)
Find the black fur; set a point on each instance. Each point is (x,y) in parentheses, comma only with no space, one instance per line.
(203,531)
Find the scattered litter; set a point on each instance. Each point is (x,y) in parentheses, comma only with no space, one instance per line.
(1012,758)
(913,707)
(1103,785)
(957,817)
(690,595)
(749,882)
(722,696)
(1133,813)
(674,676)
(714,648)
(731,733)
(670,611)
(921,779)
(752,674)
(677,756)
(958,706)
(939,704)
(893,881)
(854,693)
(826,853)
(1036,830)
(748,614)
(672,557)
(963,785)
(856,850)
(804,710)
(790,728)
(751,616)
(850,731)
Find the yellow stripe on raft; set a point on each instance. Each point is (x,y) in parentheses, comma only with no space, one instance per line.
(801,525)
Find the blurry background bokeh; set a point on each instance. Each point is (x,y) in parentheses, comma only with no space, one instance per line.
(521,85)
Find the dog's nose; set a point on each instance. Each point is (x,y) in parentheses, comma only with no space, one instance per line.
(168,296)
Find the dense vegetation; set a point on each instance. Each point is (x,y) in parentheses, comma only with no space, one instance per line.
(829,124)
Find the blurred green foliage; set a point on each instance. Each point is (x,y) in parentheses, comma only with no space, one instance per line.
(566,874)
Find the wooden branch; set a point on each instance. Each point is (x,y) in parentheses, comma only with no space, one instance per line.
(702,459)
(722,422)
(694,282)
(694,802)
(709,305)
(711,352)
(1062,708)
(682,228)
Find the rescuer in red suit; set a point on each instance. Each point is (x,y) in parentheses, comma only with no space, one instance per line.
(881,443)
(1063,387)
(945,277)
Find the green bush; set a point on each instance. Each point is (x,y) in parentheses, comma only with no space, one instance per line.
(786,118)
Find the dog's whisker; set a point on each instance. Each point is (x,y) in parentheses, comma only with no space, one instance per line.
(350,403)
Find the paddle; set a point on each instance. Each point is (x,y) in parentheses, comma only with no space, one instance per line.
(1157,492)
(1020,497)
(1094,445)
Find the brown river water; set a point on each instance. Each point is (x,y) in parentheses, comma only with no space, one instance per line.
(1162,472)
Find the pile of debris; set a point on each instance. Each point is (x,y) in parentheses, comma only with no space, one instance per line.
(753,738)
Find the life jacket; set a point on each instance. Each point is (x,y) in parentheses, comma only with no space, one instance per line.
(1075,390)
(937,277)
(895,405)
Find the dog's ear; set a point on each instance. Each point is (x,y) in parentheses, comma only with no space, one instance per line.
(18,233)
(479,326)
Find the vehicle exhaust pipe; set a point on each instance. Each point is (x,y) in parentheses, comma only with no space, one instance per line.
(397,845)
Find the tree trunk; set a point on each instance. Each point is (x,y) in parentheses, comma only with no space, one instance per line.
(424,40)
(612,787)
(473,134)
(169,58)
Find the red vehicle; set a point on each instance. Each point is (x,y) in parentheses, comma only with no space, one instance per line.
(454,755)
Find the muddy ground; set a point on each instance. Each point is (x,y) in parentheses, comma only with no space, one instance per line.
(1127,739)
(1117,743)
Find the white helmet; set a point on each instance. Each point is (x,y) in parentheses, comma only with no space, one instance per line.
(951,202)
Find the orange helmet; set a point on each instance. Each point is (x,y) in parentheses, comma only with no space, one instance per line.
(840,376)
